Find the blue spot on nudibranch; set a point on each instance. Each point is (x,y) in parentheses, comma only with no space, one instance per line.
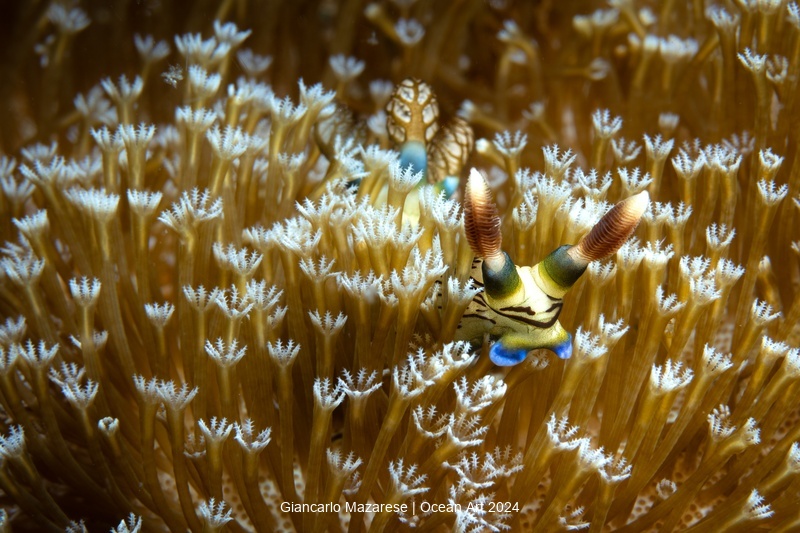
(502,356)
(564,350)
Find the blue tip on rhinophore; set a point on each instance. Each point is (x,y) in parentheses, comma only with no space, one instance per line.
(413,153)
(564,349)
(502,356)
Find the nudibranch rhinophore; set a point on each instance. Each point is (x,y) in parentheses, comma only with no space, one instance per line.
(521,305)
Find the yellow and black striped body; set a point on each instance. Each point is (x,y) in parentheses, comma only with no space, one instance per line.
(520,305)
(523,320)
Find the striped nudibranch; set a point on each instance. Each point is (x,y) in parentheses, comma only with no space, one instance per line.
(521,305)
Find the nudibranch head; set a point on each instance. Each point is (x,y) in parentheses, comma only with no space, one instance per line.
(521,305)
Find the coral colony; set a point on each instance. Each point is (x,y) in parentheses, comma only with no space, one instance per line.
(400,266)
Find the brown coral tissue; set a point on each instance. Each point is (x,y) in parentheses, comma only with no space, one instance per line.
(235,278)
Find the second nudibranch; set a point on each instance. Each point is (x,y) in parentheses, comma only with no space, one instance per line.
(412,122)
(521,305)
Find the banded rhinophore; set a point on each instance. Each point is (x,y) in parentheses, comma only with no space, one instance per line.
(521,305)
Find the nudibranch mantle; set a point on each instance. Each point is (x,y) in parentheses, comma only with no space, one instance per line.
(525,320)
(521,305)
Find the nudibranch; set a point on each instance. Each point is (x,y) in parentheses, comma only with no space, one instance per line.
(521,305)
(412,122)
